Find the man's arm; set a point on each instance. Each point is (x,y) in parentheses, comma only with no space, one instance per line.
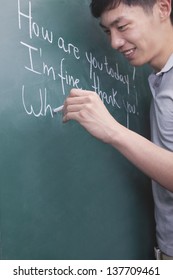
(87,108)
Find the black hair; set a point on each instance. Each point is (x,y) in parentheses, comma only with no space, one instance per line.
(99,6)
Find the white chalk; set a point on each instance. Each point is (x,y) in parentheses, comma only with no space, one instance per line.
(58,109)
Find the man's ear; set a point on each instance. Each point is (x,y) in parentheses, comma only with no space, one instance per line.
(165,8)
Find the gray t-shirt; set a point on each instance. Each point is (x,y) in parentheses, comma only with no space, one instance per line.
(161,118)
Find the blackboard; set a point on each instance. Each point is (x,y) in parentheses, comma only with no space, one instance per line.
(64,194)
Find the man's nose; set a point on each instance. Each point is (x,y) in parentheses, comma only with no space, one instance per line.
(117,41)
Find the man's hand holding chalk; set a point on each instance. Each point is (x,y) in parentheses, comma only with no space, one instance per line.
(87,108)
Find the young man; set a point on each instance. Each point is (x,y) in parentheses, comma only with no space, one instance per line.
(143,32)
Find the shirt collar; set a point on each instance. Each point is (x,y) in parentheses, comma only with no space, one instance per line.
(167,67)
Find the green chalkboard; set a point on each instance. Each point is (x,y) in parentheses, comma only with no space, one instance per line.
(64,194)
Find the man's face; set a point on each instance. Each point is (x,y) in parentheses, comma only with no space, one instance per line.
(135,33)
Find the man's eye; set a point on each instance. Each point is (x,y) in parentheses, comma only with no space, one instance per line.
(122,27)
(107,31)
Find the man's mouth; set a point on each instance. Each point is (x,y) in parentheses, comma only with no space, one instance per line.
(129,53)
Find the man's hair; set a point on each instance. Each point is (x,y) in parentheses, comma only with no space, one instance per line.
(99,6)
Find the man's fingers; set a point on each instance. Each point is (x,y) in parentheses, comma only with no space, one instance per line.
(78,92)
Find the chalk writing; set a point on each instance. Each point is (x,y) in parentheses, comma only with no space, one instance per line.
(95,64)
(109,99)
(33,28)
(30,53)
(44,107)
(68,79)
(69,48)
(60,72)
